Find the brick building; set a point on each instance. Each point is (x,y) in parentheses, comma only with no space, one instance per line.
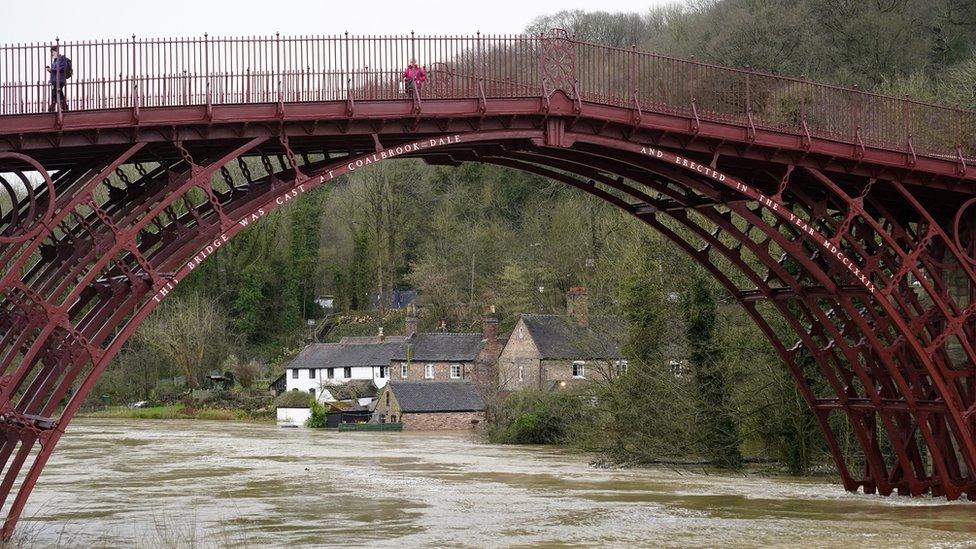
(549,352)
(431,405)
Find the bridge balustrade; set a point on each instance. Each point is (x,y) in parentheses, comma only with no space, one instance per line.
(114,74)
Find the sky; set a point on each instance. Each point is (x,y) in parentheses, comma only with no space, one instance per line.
(43,20)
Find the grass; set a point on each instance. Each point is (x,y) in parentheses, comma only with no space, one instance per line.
(174,411)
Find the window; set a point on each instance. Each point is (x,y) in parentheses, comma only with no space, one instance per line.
(347,373)
(330,373)
(312,391)
(621,367)
(387,398)
(521,374)
(382,372)
(403,370)
(521,333)
(455,371)
(579,370)
(294,373)
(429,371)
(311,373)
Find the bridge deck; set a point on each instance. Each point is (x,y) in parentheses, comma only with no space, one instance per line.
(139,74)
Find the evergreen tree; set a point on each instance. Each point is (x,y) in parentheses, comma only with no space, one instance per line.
(717,419)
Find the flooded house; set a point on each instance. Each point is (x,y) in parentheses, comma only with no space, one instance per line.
(431,406)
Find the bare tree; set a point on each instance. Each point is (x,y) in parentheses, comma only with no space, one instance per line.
(187,331)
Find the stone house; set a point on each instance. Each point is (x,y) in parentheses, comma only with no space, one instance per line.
(444,356)
(431,405)
(551,352)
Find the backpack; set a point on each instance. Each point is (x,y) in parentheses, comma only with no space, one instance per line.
(68,72)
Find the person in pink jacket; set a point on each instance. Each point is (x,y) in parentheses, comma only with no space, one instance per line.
(413,75)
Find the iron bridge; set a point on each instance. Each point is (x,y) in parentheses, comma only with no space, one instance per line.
(849,217)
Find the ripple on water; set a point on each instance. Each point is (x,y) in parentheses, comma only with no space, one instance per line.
(161,483)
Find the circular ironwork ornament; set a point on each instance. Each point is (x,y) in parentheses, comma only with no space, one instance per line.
(17,225)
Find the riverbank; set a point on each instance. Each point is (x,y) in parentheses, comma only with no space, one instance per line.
(176,411)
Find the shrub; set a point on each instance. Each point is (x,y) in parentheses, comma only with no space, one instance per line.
(167,391)
(318,418)
(530,417)
(293,399)
(246,373)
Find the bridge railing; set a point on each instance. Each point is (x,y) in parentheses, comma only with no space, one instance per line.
(752,98)
(229,70)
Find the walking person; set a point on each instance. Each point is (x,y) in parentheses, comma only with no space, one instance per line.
(60,69)
(413,76)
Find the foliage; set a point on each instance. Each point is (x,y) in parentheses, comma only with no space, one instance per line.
(244,372)
(167,390)
(717,419)
(172,411)
(317,417)
(188,332)
(292,399)
(532,417)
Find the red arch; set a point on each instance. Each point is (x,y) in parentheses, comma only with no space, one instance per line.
(552,142)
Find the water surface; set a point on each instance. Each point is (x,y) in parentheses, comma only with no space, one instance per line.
(199,483)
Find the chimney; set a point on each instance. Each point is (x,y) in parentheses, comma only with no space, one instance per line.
(576,307)
(489,327)
(410,324)
(381,336)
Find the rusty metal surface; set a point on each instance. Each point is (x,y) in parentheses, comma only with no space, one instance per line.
(861,242)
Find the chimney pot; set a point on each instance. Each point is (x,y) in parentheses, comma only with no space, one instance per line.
(489,326)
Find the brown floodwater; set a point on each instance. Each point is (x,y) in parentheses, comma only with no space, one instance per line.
(130,483)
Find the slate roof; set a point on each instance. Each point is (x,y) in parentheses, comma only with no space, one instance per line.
(437,396)
(442,347)
(363,340)
(342,355)
(561,339)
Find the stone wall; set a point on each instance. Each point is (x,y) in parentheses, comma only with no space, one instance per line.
(520,351)
(443,421)
(387,406)
(442,371)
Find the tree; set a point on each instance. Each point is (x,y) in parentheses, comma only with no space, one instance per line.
(249,303)
(246,372)
(189,331)
(717,420)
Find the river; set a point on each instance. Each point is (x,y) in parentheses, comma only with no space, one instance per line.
(204,484)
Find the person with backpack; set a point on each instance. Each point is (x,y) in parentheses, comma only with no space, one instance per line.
(60,69)
(413,76)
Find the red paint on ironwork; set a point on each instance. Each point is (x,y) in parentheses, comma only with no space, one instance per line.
(865,289)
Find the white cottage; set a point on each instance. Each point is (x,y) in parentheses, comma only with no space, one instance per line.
(323,365)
